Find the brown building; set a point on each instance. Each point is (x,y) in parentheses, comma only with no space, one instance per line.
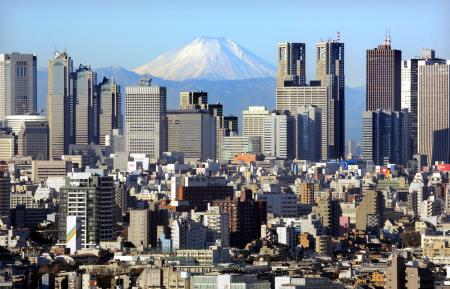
(383,78)
(369,214)
(246,218)
(395,273)
(199,197)
(329,211)
(307,192)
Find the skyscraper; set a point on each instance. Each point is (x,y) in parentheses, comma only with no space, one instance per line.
(383,77)
(434,110)
(330,71)
(279,136)
(90,197)
(193,133)
(309,128)
(108,93)
(58,99)
(386,137)
(291,64)
(409,90)
(253,121)
(18,84)
(145,119)
(291,98)
(85,80)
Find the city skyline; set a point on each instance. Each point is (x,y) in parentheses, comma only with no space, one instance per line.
(120,26)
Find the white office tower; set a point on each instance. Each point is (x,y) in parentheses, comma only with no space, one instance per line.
(145,119)
(434,110)
(279,136)
(253,121)
(291,98)
(18,84)
(309,128)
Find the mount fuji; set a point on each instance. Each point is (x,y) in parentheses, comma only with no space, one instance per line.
(208,58)
(229,73)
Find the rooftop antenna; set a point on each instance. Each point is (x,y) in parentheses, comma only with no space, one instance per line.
(387,39)
(338,36)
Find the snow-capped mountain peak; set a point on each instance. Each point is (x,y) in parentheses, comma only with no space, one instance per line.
(210,58)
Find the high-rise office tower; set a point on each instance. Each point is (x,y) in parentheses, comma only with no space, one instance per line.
(291,98)
(383,77)
(253,121)
(18,84)
(84,117)
(386,137)
(309,128)
(58,99)
(370,212)
(409,90)
(279,136)
(291,64)
(434,110)
(109,108)
(90,197)
(193,133)
(33,140)
(193,100)
(145,119)
(330,59)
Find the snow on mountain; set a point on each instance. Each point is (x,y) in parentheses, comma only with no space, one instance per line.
(208,58)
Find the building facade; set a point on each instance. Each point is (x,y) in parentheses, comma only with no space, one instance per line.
(386,137)
(58,99)
(330,60)
(193,133)
(91,198)
(291,98)
(279,136)
(383,78)
(145,119)
(18,84)
(109,115)
(291,64)
(309,133)
(434,110)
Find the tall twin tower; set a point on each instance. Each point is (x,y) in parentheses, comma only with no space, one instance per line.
(326,93)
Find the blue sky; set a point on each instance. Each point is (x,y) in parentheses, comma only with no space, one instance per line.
(130,33)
